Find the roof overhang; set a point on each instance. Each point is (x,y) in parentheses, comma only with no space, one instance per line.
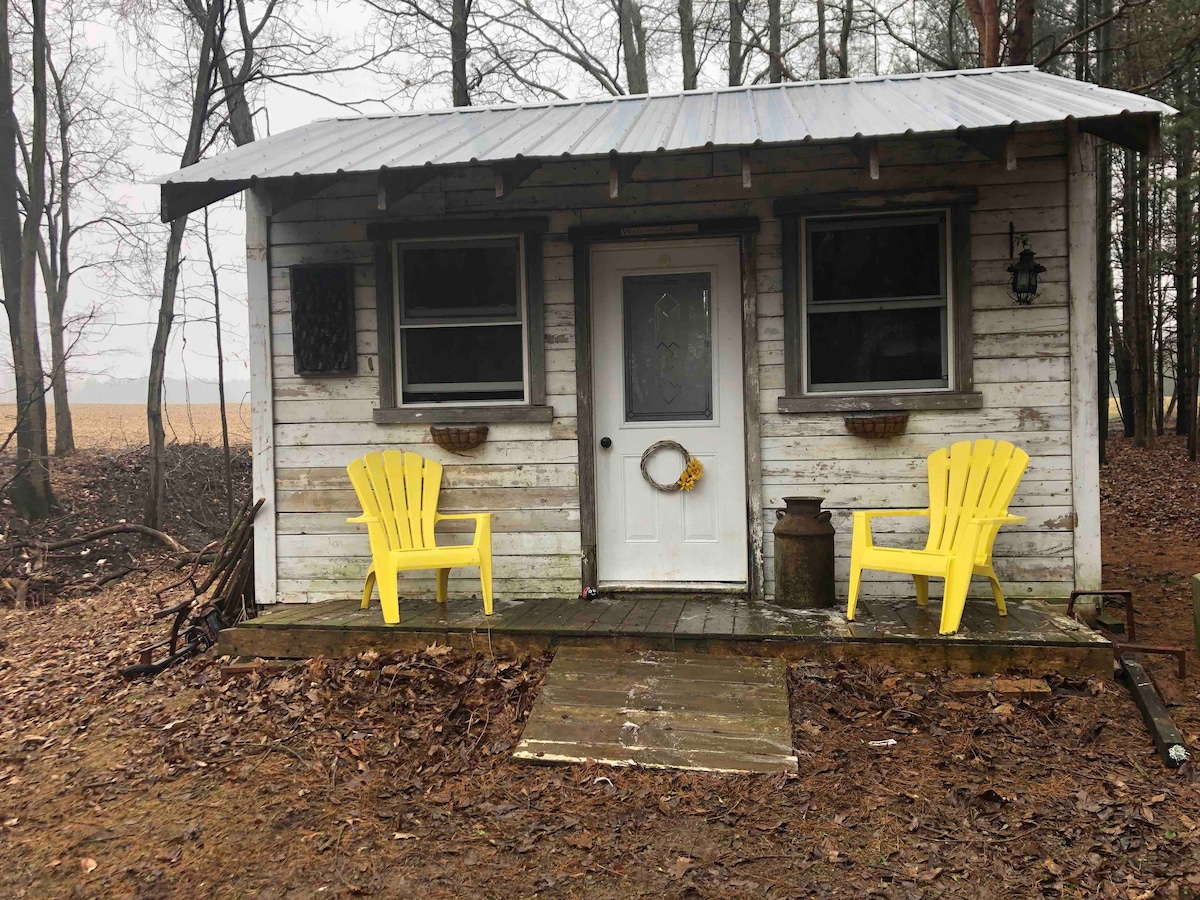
(981,108)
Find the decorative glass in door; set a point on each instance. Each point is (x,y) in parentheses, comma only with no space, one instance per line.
(668,347)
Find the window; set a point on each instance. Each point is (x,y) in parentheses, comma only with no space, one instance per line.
(461,327)
(876,303)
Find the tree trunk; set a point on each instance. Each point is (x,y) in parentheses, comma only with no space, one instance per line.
(1185,313)
(774,41)
(1104,279)
(1129,288)
(1020,45)
(822,43)
(687,44)
(736,47)
(202,93)
(633,42)
(844,40)
(64,431)
(227,459)
(30,492)
(985,14)
(458,52)
(1141,348)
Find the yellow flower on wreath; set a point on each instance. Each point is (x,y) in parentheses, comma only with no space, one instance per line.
(691,474)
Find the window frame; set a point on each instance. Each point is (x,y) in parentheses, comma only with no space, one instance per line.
(854,220)
(398,247)
(386,235)
(956,204)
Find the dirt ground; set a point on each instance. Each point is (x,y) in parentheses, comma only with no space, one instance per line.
(118,426)
(390,776)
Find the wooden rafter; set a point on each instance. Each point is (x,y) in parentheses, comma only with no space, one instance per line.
(177,200)
(620,171)
(1139,132)
(867,151)
(997,144)
(509,175)
(395,186)
(285,192)
(744,159)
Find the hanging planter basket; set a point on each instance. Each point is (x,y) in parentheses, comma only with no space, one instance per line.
(458,438)
(877,425)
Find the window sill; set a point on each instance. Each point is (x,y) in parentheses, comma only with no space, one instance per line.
(463,414)
(881,403)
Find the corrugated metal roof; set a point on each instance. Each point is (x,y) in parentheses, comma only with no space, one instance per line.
(886,106)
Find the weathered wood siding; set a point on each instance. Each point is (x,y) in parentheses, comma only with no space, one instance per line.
(527,473)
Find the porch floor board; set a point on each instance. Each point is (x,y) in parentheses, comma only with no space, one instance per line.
(1034,636)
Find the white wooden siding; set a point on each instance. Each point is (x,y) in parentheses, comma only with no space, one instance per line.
(527,473)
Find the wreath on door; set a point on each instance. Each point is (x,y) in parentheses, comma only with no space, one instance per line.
(692,468)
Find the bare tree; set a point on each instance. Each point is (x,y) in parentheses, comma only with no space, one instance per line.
(687,44)
(844,39)
(737,46)
(633,45)
(19,240)
(822,43)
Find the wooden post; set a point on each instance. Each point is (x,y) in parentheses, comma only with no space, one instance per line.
(258,303)
(752,422)
(1085,415)
(585,414)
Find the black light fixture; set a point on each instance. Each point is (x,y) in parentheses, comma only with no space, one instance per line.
(1024,271)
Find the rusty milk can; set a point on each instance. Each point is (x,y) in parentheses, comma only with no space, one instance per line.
(803,554)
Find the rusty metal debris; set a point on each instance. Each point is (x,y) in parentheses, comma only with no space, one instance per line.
(1123,631)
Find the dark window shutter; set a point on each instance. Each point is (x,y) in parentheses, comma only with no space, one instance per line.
(323,320)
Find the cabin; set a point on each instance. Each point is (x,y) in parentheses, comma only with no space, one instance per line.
(806,285)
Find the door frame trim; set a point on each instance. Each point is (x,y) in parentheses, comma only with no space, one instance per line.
(582,238)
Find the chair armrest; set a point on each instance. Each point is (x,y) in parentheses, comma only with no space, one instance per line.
(363,520)
(478,517)
(483,526)
(998,520)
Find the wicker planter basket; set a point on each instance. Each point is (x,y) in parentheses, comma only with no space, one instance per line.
(458,438)
(877,425)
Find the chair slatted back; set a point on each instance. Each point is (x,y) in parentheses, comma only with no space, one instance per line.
(401,489)
(970,480)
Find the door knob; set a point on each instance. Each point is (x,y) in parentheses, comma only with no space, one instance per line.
(605,442)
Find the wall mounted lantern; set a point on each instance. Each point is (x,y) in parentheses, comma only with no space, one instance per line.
(1024,271)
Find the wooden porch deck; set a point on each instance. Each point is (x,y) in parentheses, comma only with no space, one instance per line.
(1033,637)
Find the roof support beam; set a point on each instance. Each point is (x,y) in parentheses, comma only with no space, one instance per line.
(1139,132)
(510,175)
(867,151)
(394,186)
(620,172)
(177,200)
(744,159)
(286,192)
(997,144)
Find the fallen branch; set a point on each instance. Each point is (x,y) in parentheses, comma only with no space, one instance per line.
(107,531)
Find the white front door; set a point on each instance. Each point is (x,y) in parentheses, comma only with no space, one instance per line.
(667,361)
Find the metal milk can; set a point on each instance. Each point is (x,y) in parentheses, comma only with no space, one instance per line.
(803,554)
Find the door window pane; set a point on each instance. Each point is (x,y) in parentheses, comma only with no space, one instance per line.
(668,347)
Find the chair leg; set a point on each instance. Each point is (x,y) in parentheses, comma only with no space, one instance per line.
(389,596)
(958,582)
(368,586)
(997,594)
(485,577)
(852,597)
(921,582)
(443,585)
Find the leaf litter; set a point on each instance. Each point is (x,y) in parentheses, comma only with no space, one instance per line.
(390,775)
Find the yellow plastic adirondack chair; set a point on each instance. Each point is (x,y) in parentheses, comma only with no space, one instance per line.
(970,487)
(399,496)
